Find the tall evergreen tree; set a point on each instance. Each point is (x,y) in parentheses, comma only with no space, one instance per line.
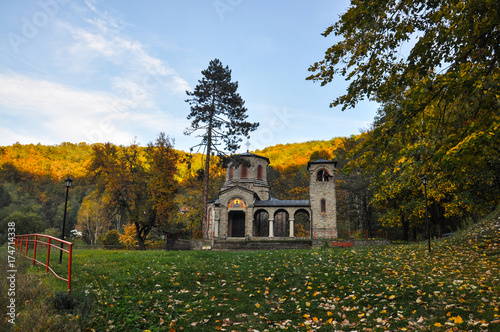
(218,112)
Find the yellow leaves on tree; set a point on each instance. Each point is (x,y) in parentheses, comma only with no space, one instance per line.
(129,239)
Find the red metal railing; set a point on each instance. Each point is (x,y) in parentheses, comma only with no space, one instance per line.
(24,242)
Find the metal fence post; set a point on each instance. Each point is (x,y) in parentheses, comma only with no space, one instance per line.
(34,250)
(48,255)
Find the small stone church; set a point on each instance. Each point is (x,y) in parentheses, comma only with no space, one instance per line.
(245,208)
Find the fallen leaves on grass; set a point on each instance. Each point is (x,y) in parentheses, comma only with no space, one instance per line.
(379,288)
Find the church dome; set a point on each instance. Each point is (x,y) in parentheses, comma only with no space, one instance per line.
(253,168)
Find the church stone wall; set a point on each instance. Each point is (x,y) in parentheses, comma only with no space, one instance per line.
(227,197)
(251,186)
(251,181)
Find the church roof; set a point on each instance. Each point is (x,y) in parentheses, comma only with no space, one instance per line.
(284,203)
(248,154)
(321,161)
(237,187)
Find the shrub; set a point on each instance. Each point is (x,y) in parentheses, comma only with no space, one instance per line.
(112,238)
(129,239)
(55,232)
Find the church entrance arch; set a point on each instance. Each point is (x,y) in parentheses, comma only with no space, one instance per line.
(302,225)
(236,223)
(261,224)
(281,224)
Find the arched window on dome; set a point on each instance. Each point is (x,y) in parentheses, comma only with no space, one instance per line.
(231,173)
(260,172)
(244,172)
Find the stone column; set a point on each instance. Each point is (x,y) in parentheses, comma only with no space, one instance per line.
(216,231)
(310,228)
(271,227)
(292,226)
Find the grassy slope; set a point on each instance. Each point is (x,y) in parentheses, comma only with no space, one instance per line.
(379,288)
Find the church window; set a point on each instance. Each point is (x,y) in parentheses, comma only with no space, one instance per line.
(231,171)
(323,205)
(260,173)
(244,172)
(237,203)
(322,176)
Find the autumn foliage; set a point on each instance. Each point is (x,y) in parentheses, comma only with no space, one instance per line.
(375,190)
(434,68)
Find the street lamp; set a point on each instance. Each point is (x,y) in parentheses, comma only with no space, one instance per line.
(424,181)
(67,183)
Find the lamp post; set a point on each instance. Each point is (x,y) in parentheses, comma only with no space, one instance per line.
(67,183)
(424,181)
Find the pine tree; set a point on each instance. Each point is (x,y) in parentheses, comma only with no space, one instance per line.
(218,111)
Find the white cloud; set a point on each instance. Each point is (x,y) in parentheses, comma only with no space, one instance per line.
(102,40)
(92,44)
(127,84)
(40,108)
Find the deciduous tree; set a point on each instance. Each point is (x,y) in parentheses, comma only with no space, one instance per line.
(453,51)
(94,217)
(162,167)
(120,175)
(434,67)
(143,190)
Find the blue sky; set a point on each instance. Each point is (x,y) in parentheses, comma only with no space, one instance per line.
(117,71)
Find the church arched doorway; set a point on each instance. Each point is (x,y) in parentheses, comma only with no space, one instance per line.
(236,223)
(261,224)
(281,224)
(302,225)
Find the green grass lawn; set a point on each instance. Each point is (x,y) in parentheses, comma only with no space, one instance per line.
(398,287)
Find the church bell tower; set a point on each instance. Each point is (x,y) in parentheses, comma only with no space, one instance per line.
(323,199)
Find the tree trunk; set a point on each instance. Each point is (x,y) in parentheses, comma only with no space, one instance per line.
(140,239)
(206,176)
(140,243)
(366,208)
(406,228)
(89,230)
(96,233)
(442,220)
(414,233)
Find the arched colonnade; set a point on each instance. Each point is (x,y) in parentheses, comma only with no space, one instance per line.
(281,222)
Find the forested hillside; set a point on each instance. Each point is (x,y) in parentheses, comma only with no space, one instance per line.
(112,183)
(24,163)
(32,185)
(291,154)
